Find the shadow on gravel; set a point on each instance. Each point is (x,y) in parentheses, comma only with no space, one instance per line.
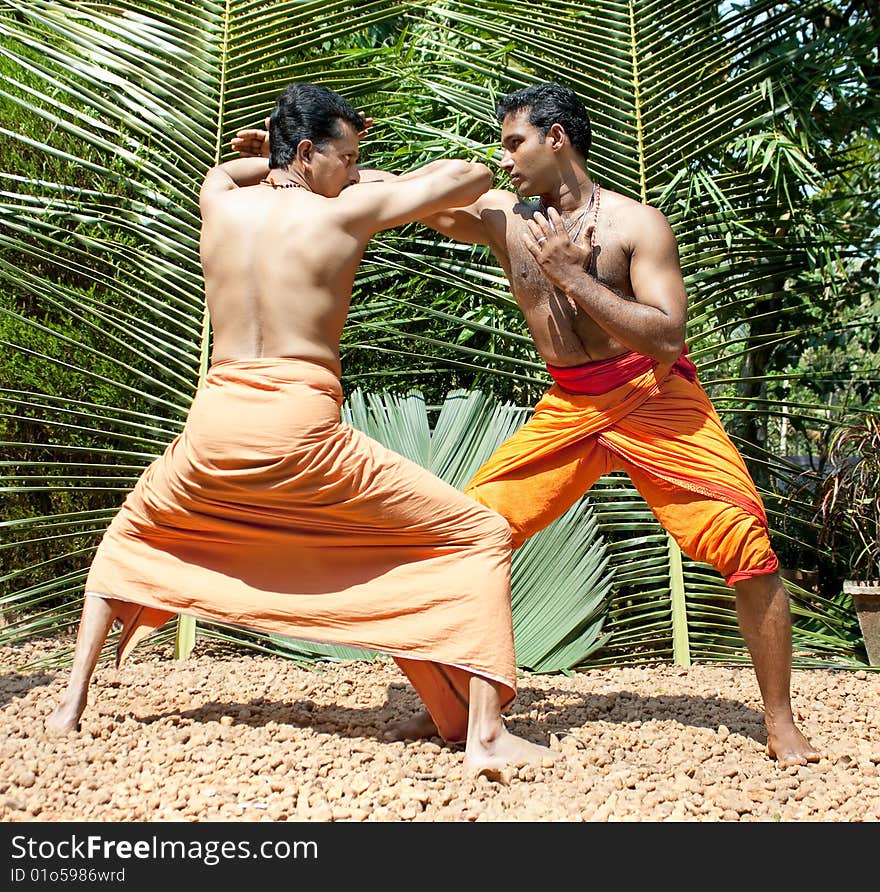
(552,718)
(14,685)
(624,707)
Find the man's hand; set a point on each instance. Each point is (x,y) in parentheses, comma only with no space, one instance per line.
(368,122)
(253,143)
(561,260)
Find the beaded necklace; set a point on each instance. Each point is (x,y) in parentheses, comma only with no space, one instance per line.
(270,181)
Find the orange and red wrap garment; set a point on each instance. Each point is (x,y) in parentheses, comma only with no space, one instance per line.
(656,423)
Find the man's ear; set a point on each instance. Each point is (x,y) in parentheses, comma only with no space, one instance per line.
(557,136)
(305,151)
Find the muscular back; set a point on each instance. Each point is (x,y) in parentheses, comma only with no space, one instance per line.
(279,265)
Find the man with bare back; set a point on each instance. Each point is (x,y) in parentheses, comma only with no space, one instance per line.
(268,512)
(597,276)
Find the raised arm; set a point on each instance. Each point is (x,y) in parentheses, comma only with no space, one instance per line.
(377,205)
(463,224)
(232,175)
(469,224)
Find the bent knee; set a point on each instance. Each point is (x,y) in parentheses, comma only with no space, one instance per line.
(736,544)
(747,555)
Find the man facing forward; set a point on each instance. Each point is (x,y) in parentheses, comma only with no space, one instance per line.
(598,279)
(269,513)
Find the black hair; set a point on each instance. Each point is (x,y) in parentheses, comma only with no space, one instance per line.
(550,104)
(307,111)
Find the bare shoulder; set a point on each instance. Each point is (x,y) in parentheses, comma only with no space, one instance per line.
(639,223)
(499,208)
(627,208)
(216,183)
(499,200)
(220,195)
(361,201)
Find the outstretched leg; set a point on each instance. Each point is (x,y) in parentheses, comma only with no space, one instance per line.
(764,614)
(490,746)
(97,618)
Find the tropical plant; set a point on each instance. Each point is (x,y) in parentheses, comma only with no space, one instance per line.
(849,506)
(729,116)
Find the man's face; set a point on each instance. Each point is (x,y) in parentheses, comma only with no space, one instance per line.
(334,166)
(528,157)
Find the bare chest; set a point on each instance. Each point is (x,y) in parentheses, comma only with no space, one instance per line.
(532,289)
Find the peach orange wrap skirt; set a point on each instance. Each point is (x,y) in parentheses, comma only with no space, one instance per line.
(269,513)
(662,429)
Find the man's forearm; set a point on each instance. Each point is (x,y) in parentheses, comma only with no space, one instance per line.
(444,222)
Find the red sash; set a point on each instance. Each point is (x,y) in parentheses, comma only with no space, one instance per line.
(603,375)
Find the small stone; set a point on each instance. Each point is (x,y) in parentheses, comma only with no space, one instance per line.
(226,720)
(26,779)
(321,813)
(360,783)
(412,795)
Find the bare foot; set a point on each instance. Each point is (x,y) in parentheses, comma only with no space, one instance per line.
(489,757)
(789,747)
(419,727)
(64,720)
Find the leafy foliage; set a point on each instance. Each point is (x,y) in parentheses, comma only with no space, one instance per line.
(850,496)
(751,124)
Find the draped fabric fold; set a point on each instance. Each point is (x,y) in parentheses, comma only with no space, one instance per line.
(655,422)
(269,513)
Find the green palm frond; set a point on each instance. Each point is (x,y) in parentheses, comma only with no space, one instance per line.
(117,110)
(707,111)
(738,120)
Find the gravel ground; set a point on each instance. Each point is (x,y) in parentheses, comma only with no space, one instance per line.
(229,735)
